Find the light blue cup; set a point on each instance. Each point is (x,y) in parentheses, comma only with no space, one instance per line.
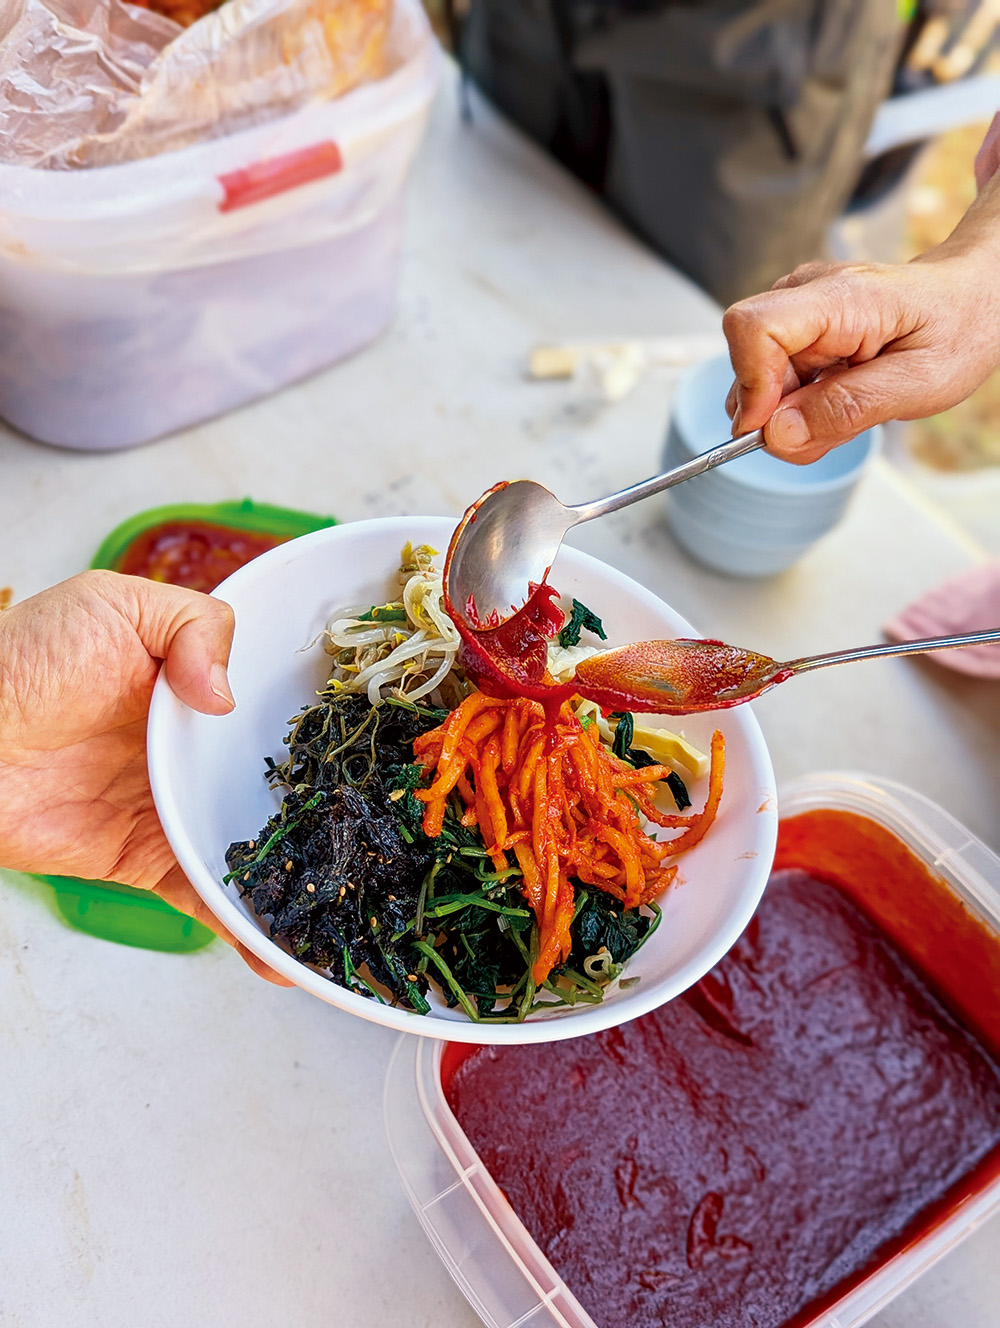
(758,515)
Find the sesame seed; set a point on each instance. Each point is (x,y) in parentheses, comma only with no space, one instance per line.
(343,891)
(411,977)
(246,876)
(252,843)
(374,922)
(288,864)
(311,888)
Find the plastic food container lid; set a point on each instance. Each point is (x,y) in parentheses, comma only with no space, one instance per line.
(478,1236)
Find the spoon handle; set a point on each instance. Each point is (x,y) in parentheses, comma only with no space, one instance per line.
(715,456)
(928,643)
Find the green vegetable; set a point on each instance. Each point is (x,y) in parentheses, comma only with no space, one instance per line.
(384,613)
(350,884)
(581,619)
(623,749)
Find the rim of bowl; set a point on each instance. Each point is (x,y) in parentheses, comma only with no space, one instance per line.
(576,1023)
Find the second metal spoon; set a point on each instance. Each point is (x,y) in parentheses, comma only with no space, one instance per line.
(685,676)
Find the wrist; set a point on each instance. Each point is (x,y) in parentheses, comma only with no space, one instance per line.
(976,238)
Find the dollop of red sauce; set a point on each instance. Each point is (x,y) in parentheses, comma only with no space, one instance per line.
(195,554)
(508,658)
(740,1157)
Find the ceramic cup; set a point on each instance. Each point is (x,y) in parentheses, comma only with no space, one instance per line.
(758,515)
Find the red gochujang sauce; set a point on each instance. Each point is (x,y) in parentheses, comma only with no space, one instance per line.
(196,554)
(742,1156)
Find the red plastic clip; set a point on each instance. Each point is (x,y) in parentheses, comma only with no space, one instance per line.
(264,179)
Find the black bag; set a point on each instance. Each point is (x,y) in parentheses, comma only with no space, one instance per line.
(729,133)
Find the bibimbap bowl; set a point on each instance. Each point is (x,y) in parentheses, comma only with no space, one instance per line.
(208,781)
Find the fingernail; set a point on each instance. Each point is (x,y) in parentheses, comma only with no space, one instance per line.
(219,681)
(736,422)
(788,427)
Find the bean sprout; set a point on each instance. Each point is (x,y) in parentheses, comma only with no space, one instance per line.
(408,646)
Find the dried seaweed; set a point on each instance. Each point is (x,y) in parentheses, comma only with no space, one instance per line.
(340,876)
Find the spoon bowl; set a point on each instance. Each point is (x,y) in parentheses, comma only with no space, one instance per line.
(687,677)
(510,537)
(507,546)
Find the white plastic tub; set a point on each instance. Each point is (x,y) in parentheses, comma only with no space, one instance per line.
(476,1233)
(140,298)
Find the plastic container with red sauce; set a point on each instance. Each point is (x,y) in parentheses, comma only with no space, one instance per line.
(198,545)
(929,886)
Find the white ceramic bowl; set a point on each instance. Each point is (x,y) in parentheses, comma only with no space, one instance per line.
(208,781)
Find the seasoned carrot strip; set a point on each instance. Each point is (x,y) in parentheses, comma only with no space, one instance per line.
(703,822)
(648,774)
(548,790)
(532,879)
(490,788)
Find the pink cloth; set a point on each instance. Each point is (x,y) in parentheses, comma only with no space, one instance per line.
(969,602)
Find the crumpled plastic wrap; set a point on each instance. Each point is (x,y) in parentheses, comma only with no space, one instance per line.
(99,82)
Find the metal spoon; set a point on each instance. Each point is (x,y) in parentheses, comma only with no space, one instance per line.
(686,676)
(515,533)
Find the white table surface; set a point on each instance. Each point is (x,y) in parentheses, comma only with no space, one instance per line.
(183,1144)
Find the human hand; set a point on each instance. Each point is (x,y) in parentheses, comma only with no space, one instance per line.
(835,348)
(77,668)
(988,156)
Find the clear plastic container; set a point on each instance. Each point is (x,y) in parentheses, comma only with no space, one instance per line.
(477,1234)
(140,298)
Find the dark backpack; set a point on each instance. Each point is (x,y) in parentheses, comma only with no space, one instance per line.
(729,133)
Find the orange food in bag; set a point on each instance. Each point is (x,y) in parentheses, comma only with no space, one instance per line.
(184,12)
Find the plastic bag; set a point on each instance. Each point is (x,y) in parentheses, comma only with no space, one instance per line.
(99,82)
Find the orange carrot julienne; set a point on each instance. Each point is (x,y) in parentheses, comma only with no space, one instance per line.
(546,789)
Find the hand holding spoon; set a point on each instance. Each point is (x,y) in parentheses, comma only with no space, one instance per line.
(687,676)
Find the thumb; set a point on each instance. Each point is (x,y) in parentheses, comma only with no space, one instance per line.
(192,633)
(818,417)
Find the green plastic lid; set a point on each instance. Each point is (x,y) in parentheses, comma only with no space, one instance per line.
(261,518)
(119,912)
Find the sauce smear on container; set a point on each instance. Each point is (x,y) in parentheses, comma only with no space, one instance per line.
(740,1157)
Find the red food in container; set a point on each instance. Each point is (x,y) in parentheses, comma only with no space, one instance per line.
(785,1146)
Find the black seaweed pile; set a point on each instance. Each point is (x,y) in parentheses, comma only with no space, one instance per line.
(334,870)
(350,884)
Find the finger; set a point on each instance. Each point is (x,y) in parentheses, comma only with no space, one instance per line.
(759,362)
(804,273)
(843,404)
(178,891)
(791,382)
(848,314)
(191,632)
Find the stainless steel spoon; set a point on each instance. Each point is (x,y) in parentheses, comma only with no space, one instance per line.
(685,676)
(513,539)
